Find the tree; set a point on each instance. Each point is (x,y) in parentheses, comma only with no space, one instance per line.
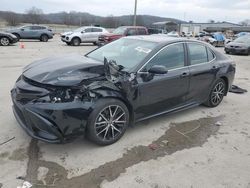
(110,22)
(34,15)
(245,22)
(211,21)
(12,19)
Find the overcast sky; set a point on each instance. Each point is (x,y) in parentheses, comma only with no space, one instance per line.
(196,10)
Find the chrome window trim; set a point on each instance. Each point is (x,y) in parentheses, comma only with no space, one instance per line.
(186,42)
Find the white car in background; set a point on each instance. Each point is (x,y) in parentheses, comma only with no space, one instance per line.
(87,34)
(173,34)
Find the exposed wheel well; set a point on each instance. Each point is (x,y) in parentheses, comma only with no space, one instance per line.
(227,84)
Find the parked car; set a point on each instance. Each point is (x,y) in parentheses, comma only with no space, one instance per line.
(241,45)
(122,32)
(173,34)
(241,34)
(42,33)
(7,39)
(126,81)
(215,39)
(83,35)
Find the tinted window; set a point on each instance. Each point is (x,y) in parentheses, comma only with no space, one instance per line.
(210,55)
(198,53)
(131,32)
(88,30)
(142,31)
(37,27)
(171,57)
(96,30)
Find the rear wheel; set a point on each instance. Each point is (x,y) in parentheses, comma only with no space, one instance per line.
(108,121)
(44,38)
(217,93)
(75,42)
(4,41)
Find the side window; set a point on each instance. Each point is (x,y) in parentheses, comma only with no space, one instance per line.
(171,57)
(27,28)
(210,55)
(142,31)
(197,53)
(88,30)
(131,32)
(96,30)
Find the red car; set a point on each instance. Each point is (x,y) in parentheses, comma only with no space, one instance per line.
(122,32)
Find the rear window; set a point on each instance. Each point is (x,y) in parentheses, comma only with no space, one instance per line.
(96,30)
(197,53)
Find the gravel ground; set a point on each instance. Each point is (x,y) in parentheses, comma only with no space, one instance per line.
(200,147)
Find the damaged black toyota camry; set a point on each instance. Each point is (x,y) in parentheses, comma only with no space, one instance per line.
(129,80)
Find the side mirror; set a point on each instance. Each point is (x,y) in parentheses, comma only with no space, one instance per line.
(158,69)
(82,31)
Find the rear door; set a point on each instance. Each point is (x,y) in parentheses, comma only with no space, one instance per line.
(95,34)
(159,93)
(203,71)
(86,36)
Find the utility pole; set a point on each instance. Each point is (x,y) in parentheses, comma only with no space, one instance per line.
(135,10)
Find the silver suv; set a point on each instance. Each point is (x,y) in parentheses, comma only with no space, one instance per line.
(42,33)
(83,35)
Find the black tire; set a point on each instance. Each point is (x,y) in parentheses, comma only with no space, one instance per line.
(217,93)
(227,52)
(17,36)
(103,128)
(44,38)
(75,42)
(4,41)
(95,43)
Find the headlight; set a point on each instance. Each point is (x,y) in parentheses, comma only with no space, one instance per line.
(63,95)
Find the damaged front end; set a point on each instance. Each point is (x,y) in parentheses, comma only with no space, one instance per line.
(58,114)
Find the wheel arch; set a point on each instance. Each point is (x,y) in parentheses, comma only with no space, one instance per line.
(118,96)
(227,83)
(77,38)
(44,34)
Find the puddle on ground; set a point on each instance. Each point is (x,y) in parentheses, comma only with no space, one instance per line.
(178,137)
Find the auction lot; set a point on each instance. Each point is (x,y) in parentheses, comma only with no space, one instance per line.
(200,147)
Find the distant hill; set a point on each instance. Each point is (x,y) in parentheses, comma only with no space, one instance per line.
(80,18)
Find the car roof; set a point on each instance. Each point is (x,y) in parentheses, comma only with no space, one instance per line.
(162,39)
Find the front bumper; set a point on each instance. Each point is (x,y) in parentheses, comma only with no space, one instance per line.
(236,50)
(14,40)
(65,39)
(51,122)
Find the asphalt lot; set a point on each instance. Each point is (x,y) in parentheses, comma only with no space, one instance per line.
(200,147)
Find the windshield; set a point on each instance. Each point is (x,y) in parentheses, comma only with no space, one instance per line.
(119,31)
(245,40)
(126,52)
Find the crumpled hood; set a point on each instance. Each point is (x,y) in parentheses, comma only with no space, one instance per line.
(69,70)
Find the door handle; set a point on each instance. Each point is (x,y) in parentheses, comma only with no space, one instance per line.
(184,74)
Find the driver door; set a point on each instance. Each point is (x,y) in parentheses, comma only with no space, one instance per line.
(163,92)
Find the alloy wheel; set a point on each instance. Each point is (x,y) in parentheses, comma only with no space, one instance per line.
(218,93)
(5,41)
(110,123)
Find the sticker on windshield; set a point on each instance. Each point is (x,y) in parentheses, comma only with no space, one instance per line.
(144,50)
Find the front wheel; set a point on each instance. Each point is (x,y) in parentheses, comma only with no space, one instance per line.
(44,38)
(217,93)
(107,122)
(75,42)
(4,41)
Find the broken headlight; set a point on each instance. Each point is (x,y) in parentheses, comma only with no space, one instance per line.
(64,95)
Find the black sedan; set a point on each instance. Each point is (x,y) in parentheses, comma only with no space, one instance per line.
(7,39)
(129,80)
(240,45)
